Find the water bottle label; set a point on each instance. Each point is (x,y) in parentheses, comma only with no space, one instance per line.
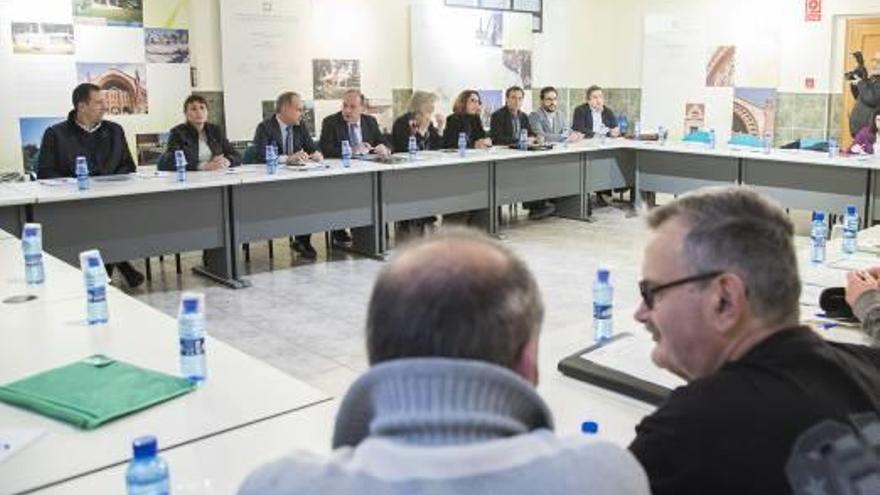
(97,294)
(192,347)
(602,311)
(33,259)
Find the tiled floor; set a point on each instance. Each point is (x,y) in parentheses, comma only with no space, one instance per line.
(306,318)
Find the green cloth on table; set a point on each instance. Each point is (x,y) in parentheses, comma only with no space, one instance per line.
(93,391)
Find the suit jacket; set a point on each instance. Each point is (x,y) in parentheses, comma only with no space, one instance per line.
(269,132)
(501,126)
(470,125)
(185,137)
(105,149)
(334,130)
(552,129)
(401,132)
(583,119)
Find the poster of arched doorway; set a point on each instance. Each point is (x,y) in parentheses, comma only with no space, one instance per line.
(124,85)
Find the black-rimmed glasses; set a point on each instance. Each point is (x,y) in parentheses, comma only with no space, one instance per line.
(649,293)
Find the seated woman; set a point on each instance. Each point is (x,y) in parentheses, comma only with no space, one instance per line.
(465,118)
(203,143)
(417,122)
(866,138)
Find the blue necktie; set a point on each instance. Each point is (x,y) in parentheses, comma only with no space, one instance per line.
(354,135)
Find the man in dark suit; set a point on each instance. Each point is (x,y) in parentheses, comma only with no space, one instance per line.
(86,133)
(508,121)
(360,130)
(286,131)
(505,127)
(352,125)
(593,118)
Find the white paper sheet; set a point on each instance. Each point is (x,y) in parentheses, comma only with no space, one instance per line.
(632,355)
(14,439)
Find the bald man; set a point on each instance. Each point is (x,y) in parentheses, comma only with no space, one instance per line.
(448,405)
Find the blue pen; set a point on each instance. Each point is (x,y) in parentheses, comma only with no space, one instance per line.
(826,326)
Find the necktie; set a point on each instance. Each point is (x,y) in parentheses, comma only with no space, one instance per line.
(354,135)
(288,142)
(515,126)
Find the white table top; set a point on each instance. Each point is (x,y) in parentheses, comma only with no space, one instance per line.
(147,180)
(62,280)
(46,333)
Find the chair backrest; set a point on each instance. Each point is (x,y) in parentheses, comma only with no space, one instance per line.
(249,155)
(742,139)
(697,137)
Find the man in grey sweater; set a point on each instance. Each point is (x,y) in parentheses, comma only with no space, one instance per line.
(449,405)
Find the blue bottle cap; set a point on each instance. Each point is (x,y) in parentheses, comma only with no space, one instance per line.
(191,305)
(590,427)
(94,261)
(144,447)
(602,275)
(819,215)
(852,210)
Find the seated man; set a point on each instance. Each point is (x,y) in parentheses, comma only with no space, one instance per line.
(508,121)
(360,130)
(102,142)
(287,132)
(863,296)
(592,119)
(720,296)
(448,405)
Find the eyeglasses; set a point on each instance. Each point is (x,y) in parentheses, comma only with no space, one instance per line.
(649,293)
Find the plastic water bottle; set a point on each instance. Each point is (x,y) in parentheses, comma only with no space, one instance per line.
(637,130)
(191,327)
(523,140)
(180,165)
(412,148)
(833,150)
(711,139)
(850,229)
(603,134)
(768,143)
(603,296)
(82,173)
(565,135)
(147,473)
(95,277)
(622,124)
(661,134)
(818,235)
(462,144)
(32,248)
(271,159)
(346,154)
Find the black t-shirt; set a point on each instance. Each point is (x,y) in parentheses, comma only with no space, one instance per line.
(732,432)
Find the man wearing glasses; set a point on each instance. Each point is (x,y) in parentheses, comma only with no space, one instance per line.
(721,299)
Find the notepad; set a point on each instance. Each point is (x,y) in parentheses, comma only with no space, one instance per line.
(308,167)
(93,391)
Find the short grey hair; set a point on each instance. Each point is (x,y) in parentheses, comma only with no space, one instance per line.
(420,99)
(451,300)
(735,229)
(285,99)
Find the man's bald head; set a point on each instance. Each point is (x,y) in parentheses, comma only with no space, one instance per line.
(456,294)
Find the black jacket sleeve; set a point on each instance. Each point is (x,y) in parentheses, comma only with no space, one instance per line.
(579,121)
(221,146)
(126,161)
(450,133)
(48,166)
(400,133)
(262,138)
(309,145)
(329,140)
(372,133)
(176,141)
(498,128)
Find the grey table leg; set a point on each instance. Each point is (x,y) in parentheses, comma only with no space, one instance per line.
(13,218)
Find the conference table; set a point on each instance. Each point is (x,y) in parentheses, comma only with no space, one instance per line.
(149,213)
(50,331)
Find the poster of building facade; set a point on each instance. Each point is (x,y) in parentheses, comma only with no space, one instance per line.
(124,85)
(754,111)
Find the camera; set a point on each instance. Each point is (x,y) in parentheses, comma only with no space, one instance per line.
(860,72)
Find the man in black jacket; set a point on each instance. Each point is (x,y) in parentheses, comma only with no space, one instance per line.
(593,116)
(352,125)
(360,130)
(505,127)
(721,295)
(286,131)
(509,121)
(86,133)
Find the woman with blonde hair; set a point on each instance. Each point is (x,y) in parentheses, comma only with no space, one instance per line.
(417,122)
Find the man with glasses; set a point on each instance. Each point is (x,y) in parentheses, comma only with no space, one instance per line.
(721,299)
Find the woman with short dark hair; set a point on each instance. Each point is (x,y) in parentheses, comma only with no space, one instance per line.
(204,145)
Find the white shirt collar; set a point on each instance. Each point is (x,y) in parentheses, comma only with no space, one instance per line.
(93,129)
